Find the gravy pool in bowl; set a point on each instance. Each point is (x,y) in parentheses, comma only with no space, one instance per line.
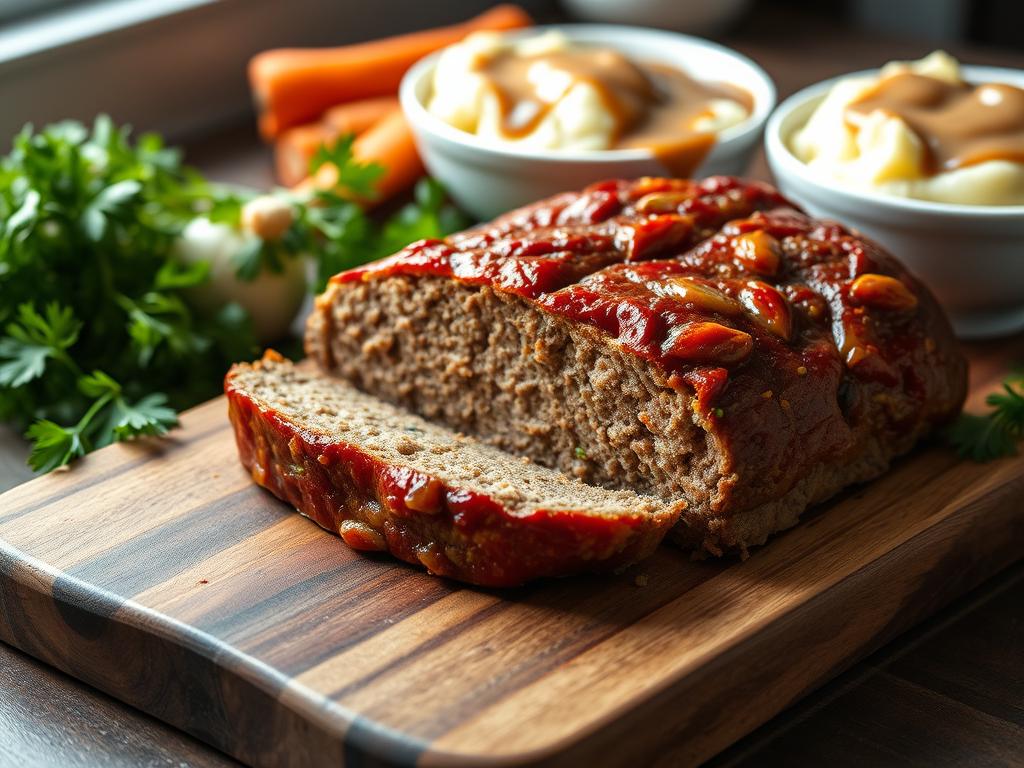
(490,174)
(920,130)
(547,92)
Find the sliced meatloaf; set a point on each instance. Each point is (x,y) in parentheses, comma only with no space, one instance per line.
(698,340)
(387,480)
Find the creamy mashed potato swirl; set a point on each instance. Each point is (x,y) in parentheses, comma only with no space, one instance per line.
(883,154)
(575,116)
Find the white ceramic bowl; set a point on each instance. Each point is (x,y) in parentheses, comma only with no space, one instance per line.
(487,178)
(971,256)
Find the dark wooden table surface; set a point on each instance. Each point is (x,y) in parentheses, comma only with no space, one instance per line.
(949,693)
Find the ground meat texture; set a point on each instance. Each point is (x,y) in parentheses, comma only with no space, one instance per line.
(489,364)
(384,479)
(704,341)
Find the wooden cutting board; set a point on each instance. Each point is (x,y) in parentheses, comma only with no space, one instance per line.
(159,573)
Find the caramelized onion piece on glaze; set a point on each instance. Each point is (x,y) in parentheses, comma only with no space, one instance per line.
(882,292)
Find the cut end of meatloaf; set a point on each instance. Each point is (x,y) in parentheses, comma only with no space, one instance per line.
(496,366)
(385,479)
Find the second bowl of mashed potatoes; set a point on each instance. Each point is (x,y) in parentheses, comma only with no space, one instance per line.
(926,157)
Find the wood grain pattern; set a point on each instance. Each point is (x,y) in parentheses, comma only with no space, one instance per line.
(947,693)
(159,573)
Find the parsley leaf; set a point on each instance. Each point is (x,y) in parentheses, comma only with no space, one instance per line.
(255,256)
(357,178)
(342,235)
(98,384)
(32,340)
(996,433)
(428,217)
(108,202)
(56,329)
(173,274)
(148,416)
(24,362)
(25,215)
(53,445)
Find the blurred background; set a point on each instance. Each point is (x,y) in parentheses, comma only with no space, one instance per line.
(179,65)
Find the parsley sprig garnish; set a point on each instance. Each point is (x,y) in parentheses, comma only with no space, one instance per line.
(98,340)
(35,341)
(356,178)
(101,339)
(997,433)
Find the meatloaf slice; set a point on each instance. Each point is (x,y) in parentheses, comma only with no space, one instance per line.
(387,480)
(705,341)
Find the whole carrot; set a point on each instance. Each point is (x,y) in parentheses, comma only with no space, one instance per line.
(294,148)
(357,116)
(388,143)
(295,85)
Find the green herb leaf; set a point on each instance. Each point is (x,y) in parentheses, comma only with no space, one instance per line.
(89,281)
(174,274)
(98,384)
(25,215)
(1009,405)
(23,362)
(342,236)
(32,339)
(358,178)
(52,445)
(57,328)
(994,434)
(248,260)
(107,203)
(148,416)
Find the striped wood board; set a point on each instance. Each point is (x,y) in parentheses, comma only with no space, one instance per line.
(160,574)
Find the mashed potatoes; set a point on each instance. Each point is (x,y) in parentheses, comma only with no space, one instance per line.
(571,111)
(883,154)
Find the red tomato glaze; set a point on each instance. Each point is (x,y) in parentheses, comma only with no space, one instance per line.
(691,275)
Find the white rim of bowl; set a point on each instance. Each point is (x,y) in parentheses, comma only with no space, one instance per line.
(418,114)
(779,151)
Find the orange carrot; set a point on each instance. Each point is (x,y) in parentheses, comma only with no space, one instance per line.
(391,144)
(356,116)
(294,148)
(388,143)
(295,85)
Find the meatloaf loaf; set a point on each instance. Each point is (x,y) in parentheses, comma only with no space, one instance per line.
(704,341)
(386,480)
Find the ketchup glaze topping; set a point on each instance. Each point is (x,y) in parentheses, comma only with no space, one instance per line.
(695,276)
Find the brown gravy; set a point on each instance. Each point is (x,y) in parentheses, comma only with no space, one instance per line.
(655,106)
(959,124)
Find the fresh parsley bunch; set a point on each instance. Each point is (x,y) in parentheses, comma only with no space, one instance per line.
(100,340)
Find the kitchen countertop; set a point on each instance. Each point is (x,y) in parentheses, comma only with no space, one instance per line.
(948,693)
